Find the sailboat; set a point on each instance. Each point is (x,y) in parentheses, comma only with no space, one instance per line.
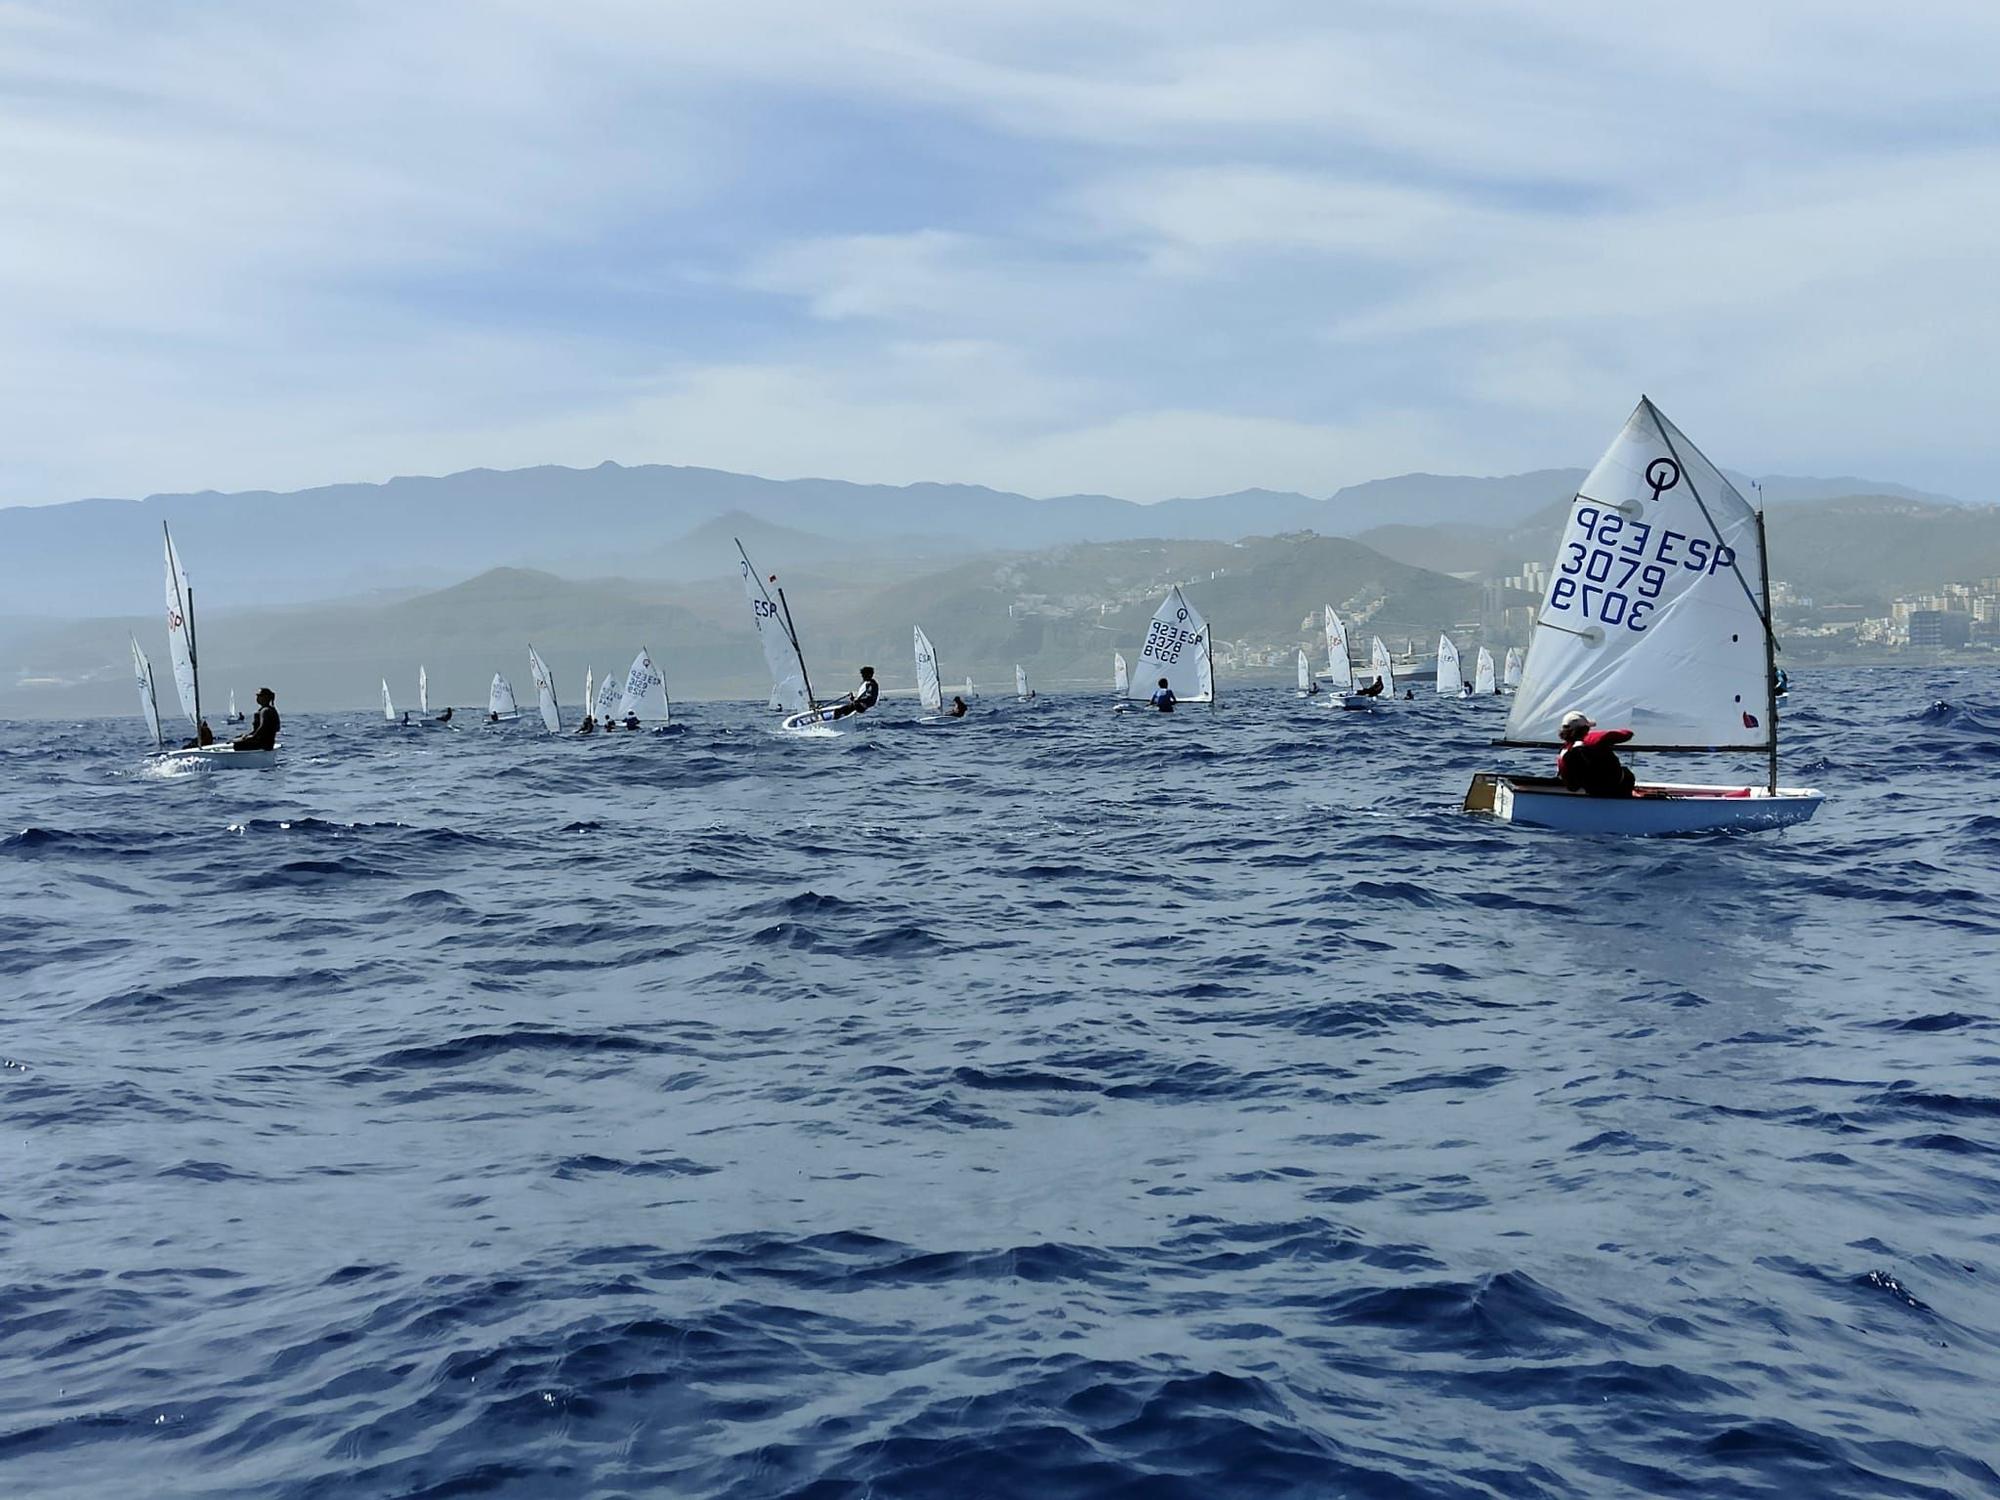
(1339,668)
(545,692)
(1382,665)
(1306,683)
(791,687)
(149,700)
(1657,619)
(187,674)
(500,705)
(604,707)
(423,691)
(930,685)
(1177,648)
(1450,681)
(639,684)
(1121,681)
(1510,677)
(388,704)
(1022,693)
(1483,685)
(235,715)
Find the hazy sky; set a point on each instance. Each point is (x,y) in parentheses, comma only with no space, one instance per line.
(1149,248)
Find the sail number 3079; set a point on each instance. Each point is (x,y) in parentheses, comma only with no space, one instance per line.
(1618,572)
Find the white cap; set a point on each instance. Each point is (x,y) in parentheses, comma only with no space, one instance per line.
(1577,719)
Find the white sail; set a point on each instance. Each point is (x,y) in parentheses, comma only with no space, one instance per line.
(1121,680)
(500,700)
(774,632)
(1338,666)
(233,715)
(639,684)
(149,701)
(1177,648)
(545,692)
(930,690)
(589,692)
(1511,676)
(1450,682)
(180,633)
(1380,664)
(609,691)
(1482,675)
(423,690)
(1655,617)
(1020,681)
(388,706)
(1305,670)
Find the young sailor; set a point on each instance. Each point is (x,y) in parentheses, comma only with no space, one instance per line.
(263,733)
(1163,697)
(1587,762)
(957,709)
(1373,690)
(203,737)
(445,717)
(862,698)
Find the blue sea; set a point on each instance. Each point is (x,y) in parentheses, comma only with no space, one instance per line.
(1053,1105)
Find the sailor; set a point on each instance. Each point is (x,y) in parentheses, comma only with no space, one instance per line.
(445,717)
(1410,695)
(632,721)
(1312,688)
(263,733)
(1163,697)
(1587,762)
(1373,690)
(957,709)
(588,726)
(492,716)
(862,698)
(203,737)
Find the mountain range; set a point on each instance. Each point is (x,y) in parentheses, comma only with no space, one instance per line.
(98,557)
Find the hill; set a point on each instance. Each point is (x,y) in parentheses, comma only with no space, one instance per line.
(1060,611)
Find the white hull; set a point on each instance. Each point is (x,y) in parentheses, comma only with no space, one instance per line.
(1659,807)
(812,718)
(1363,701)
(222,758)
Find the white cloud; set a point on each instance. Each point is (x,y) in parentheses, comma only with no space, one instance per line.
(1145,248)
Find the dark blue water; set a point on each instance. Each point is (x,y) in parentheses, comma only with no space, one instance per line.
(1058,1105)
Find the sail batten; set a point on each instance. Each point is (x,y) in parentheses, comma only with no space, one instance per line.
(1652,619)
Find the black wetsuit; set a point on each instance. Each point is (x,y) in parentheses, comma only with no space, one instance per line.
(1592,767)
(1164,700)
(263,733)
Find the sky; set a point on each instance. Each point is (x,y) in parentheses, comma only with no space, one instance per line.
(1138,247)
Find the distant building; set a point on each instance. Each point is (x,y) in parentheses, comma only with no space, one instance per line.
(1939,629)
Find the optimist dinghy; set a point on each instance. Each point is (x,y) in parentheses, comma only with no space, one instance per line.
(1339,669)
(1657,619)
(545,692)
(1121,680)
(1483,684)
(1450,682)
(500,705)
(1177,648)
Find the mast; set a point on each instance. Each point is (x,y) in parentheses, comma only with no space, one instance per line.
(792,635)
(194,660)
(1770,652)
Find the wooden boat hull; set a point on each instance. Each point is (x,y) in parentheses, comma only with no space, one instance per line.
(222,758)
(1661,807)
